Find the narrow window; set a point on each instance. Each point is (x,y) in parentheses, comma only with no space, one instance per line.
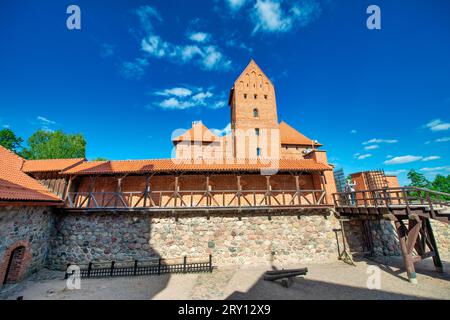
(257,131)
(245,96)
(255,96)
(265,96)
(255,113)
(258,152)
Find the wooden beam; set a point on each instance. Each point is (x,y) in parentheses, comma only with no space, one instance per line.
(407,258)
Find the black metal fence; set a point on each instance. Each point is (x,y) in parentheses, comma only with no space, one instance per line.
(141,268)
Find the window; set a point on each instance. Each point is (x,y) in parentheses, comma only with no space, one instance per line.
(265,96)
(255,96)
(258,152)
(255,113)
(257,131)
(245,96)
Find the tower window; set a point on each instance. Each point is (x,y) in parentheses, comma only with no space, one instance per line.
(265,96)
(255,113)
(255,96)
(257,131)
(258,152)
(245,96)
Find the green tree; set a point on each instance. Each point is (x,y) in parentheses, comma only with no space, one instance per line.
(99,159)
(55,144)
(418,180)
(442,184)
(9,140)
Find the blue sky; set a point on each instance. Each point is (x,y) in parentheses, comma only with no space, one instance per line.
(138,70)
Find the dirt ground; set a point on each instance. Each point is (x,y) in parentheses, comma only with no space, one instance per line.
(324,281)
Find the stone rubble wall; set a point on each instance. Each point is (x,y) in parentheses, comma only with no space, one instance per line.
(30,224)
(80,238)
(386,240)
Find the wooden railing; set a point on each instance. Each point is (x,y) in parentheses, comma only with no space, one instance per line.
(196,199)
(407,197)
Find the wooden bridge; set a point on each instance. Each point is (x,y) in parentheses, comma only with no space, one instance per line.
(410,209)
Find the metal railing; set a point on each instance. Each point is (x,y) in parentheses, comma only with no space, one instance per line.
(196,199)
(140,268)
(394,197)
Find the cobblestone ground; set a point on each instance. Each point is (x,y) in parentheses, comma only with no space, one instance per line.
(323,281)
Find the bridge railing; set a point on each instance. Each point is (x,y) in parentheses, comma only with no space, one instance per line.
(200,199)
(390,197)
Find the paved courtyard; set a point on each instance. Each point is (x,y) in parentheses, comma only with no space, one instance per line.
(323,281)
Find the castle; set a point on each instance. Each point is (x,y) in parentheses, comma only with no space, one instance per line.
(261,194)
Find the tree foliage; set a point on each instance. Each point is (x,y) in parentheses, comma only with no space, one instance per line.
(440,183)
(418,180)
(9,140)
(55,144)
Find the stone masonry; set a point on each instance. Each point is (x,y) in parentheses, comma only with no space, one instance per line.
(26,226)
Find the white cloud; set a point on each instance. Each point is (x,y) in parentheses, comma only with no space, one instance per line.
(173,103)
(436,169)
(364,156)
(134,69)
(222,132)
(353,132)
(372,147)
(45,121)
(374,140)
(199,36)
(395,172)
(202,96)
(403,159)
(444,139)
(281,16)
(181,98)
(232,43)
(389,156)
(177,91)
(206,56)
(437,125)
(430,158)
(236,4)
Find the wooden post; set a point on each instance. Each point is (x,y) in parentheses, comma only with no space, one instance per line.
(269,191)
(297,188)
(239,190)
(68,187)
(147,185)
(118,191)
(407,258)
(208,199)
(436,257)
(176,191)
(91,189)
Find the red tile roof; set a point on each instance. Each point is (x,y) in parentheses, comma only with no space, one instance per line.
(16,185)
(49,165)
(173,165)
(199,132)
(289,135)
